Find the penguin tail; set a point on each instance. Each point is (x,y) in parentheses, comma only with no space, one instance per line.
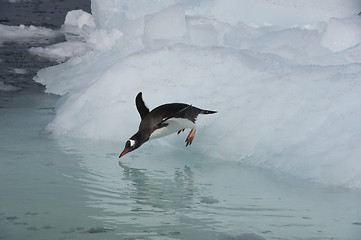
(207,111)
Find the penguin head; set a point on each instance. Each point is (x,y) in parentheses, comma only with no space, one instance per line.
(130,145)
(133,143)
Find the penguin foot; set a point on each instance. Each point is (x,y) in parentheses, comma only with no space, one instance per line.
(190,137)
(181,131)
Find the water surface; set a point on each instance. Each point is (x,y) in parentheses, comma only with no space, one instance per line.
(63,188)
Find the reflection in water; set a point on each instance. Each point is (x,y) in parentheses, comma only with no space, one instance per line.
(161,194)
(142,202)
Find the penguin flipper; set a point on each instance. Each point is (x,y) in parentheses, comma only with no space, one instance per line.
(141,107)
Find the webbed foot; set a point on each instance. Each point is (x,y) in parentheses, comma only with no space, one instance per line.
(190,137)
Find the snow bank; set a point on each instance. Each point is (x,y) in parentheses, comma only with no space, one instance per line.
(285,100)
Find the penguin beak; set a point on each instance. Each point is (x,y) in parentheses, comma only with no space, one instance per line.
(125,151)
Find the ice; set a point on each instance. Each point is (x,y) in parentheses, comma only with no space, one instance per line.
(20,71)
(78,24)
(79,18)
(62,51)
(24,33)
(342,33)
(281,12)
(285,100)
(111,15)
(78,27)
(169,23)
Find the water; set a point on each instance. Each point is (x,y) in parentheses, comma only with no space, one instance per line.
(64,188)
(75,189)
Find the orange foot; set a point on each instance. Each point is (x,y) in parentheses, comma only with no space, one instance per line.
(190,137)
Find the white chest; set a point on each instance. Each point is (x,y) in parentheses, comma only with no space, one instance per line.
(174,125)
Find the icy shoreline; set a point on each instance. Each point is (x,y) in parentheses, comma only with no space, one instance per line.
(288,96)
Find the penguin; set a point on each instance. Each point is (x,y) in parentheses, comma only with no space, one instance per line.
(162,121)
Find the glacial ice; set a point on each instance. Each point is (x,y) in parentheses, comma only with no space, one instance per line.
(284,78)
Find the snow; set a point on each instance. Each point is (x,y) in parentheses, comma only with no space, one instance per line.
(284,77)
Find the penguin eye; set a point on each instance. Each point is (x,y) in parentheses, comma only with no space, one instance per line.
(127,144)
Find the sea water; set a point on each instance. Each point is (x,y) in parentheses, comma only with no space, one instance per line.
(77,189)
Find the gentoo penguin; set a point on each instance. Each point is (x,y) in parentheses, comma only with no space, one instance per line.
(162,121)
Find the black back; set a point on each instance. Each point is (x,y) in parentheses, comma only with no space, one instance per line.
(159,115)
